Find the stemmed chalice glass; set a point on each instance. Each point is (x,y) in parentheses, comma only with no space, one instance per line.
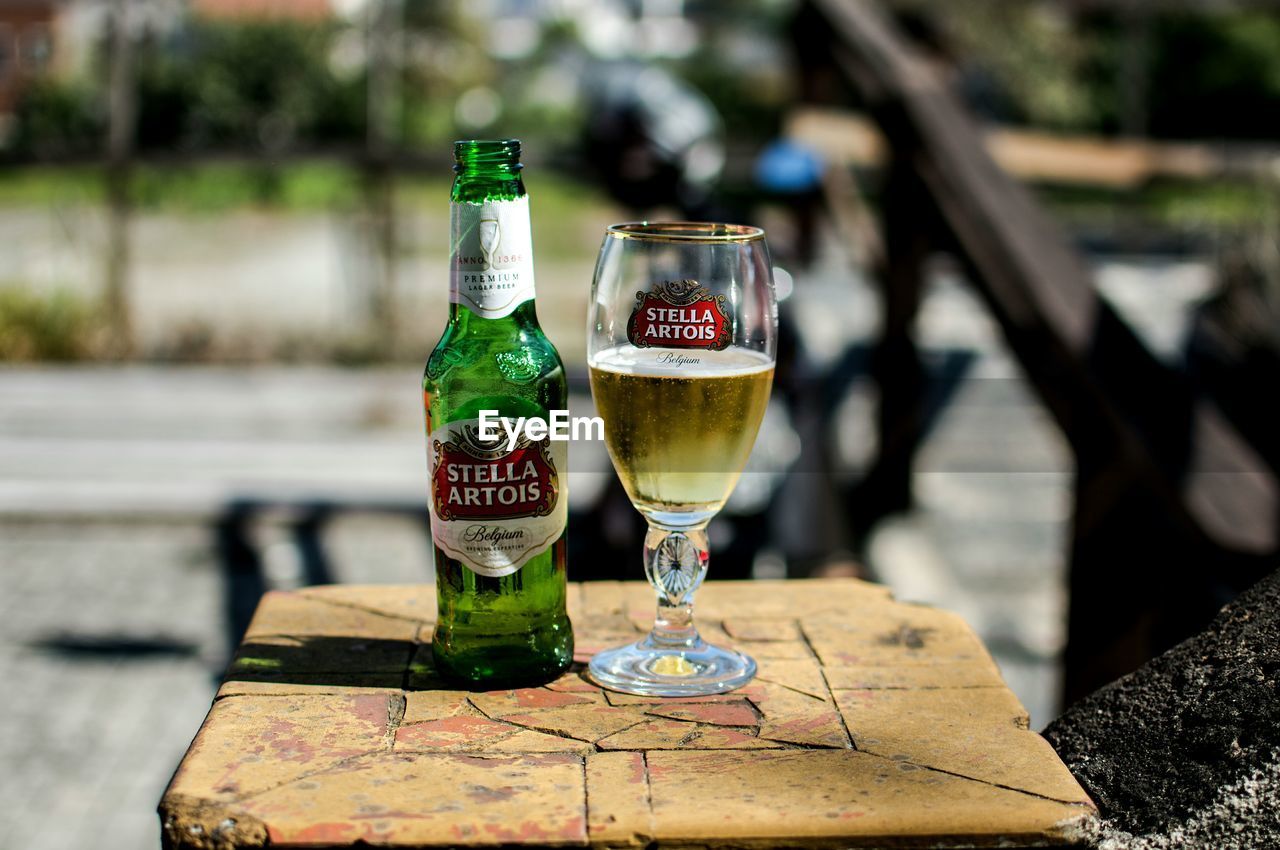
(681,342)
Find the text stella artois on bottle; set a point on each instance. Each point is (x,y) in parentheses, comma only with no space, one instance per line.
(494,509)
(497,501)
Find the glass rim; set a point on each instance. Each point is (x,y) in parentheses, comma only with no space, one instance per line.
(685,231)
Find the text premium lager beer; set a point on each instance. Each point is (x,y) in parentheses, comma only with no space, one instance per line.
(498,515)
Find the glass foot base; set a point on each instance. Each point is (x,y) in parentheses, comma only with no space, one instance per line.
(648,669)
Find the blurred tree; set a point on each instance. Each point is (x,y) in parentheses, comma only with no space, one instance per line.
(1015,62)
(1209,74)
(265,85)
(57,120)
(59,326)
(251,86)
(1216,76)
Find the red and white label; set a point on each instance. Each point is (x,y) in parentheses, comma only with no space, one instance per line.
(494,509)
(679,314)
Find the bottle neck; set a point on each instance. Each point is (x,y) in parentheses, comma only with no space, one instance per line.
(492,285)
(478,188)
(463,321)
(487,170)
(507,203)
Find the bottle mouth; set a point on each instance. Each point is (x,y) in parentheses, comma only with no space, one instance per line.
(469,153)
(685,231)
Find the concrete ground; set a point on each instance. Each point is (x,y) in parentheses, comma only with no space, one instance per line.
(112,629)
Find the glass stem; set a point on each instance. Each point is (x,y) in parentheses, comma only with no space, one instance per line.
(675,561)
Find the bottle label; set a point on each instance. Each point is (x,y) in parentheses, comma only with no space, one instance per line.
(494,508)
(491,272)
(679,314)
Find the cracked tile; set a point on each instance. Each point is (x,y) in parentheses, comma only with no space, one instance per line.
(584,722)
(618,800)
(422,706)
(824,729)
(845,797)
(523,700)
(407,601)
(460,732)
(978,673)
(301,615)
(894,634)
(729,713)
(529,741)
(974,732)
(575,682)
(802,675)
(251,743)
(430,799)
(762,629)
(796,718)
(666,734)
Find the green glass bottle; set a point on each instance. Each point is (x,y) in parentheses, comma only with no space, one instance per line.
(498,514)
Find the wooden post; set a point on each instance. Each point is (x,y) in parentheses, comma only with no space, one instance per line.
(382,116)
(121,99)
(1175,508)
(895,365)
(1135,67)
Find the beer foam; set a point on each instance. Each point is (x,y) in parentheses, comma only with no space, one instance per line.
(683,363)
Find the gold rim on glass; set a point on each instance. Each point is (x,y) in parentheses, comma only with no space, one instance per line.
(685,231)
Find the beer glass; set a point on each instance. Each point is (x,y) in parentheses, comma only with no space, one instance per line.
(681,341)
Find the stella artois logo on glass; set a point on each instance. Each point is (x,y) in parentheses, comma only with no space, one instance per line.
(679,314)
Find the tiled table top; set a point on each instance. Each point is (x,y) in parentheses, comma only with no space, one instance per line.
(871,722)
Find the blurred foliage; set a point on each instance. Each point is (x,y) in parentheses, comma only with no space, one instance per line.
(569,213)
(254,86)
(276,86)
(1167,203)
(262,84)
(206,188)
(1016,61)
(56,119)
(218,187)
(1207,75)
(47,185)
(58,327)
(1216,76)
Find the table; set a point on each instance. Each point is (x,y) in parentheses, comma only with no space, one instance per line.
(871,722)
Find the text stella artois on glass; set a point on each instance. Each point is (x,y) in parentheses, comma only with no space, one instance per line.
(679,314)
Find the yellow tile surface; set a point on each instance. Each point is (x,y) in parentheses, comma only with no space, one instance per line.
(870,723)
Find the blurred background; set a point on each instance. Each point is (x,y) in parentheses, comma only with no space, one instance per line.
(1029,252)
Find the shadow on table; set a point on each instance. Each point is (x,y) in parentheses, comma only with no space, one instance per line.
(332,660)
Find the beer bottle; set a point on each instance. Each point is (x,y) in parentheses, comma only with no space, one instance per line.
(498,510)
